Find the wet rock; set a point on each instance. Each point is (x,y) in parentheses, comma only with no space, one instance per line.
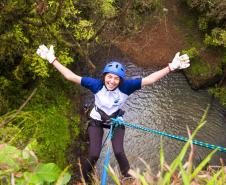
(206,70)
(202,80)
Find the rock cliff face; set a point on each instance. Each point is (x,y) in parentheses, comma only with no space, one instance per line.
(198,81)
(155,45)
(206,70)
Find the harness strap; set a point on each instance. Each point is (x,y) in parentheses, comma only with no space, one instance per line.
(97,123)
(107,118)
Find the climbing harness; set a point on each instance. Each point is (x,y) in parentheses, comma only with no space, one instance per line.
(107,118)
(180,138)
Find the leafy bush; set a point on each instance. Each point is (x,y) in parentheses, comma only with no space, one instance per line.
(192,52)
(217,37)
(51,129)
(203,23)
(213,10)
(146,6)
(22,167)
(219,93)
(200,67)
(52,135)
(108,8)
(46,121)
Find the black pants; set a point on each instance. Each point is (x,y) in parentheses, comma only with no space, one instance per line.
(95,143)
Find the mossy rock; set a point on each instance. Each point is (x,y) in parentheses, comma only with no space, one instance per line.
(203,73)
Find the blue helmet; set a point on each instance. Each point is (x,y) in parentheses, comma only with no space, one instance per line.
(115,68)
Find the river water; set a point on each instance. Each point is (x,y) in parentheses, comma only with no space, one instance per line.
(169,106)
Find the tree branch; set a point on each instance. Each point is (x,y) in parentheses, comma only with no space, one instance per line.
(98,32)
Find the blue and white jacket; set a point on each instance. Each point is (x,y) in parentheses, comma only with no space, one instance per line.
(109,101)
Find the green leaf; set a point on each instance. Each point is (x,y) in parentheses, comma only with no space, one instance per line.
(32,178)
(185,177)
(47,172)
(9,156)
(64,177)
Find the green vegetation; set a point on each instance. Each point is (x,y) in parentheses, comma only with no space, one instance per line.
(211,23)
(219,93)
(217,37)
(44,122)
(199,67)
(192,52)
(22,167)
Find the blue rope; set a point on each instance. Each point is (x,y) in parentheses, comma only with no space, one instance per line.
(107,157)
(105,140)
(180,138)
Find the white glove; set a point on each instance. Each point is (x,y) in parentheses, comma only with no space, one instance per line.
(179,62)
(45,53)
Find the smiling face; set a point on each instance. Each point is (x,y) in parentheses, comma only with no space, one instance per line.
(111,81)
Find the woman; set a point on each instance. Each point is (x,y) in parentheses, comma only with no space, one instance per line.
(110,94)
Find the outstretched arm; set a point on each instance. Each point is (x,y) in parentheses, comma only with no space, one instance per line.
(179,62)
(48,54)
(67,73)
(150,79)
